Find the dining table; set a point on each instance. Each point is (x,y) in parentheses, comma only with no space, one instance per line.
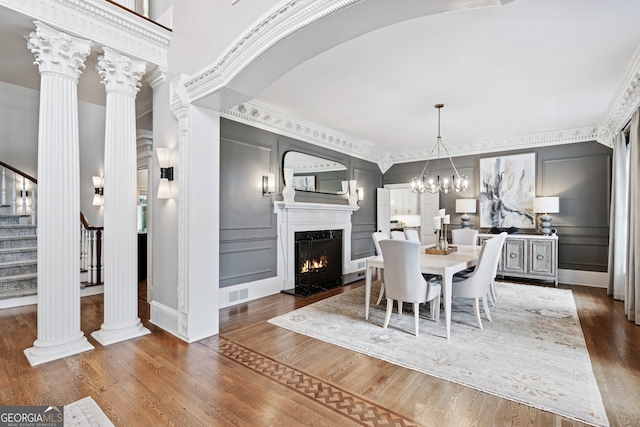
(465,256)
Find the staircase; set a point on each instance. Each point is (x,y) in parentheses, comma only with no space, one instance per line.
(18,257)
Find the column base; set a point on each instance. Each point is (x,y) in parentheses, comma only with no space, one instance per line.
(44,351)
(111,334)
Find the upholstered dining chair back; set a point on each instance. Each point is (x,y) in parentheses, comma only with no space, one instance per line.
(412,235)
(403,279)
(377,236)
(478,284)
(464,236)
(398,235)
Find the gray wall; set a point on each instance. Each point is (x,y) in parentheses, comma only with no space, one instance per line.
(580,174)
(248,233)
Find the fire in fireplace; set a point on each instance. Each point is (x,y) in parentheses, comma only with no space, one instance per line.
(318,256)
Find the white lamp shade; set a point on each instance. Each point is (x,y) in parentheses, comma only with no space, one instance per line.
(164,189)
(164,157)
(97,181)
(98,200)
(546,204)
(466,206)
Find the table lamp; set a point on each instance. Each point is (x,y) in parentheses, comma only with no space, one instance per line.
(545,206)
(465,206)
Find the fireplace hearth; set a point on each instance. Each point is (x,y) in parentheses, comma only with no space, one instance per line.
(318,262)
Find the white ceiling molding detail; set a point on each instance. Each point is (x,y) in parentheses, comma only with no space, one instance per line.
(295,15)
(290,18)
(264,117)
(103,23)
(541,139)
(627,99)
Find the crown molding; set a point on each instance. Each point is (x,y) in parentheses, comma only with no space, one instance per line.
(541,139)
(277,25)
(103,23)
(263,116)
(627,99)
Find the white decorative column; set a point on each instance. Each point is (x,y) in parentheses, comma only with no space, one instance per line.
(121,76)
(59,57)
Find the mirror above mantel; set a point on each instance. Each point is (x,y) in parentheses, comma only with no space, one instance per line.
(316,174)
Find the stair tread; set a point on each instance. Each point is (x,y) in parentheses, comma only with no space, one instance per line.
(14,263)
(19,237)
(23,249)
(18,277)
(18,225)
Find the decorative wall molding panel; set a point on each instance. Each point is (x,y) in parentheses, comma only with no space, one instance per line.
(103,23)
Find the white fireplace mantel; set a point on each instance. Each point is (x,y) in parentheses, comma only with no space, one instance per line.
(293,217)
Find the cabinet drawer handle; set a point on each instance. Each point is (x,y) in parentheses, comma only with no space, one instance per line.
(539,257)
(513,255)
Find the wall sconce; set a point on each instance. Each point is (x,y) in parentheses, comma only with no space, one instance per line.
(166,173)
(268,184)
(98,185)
(360,192)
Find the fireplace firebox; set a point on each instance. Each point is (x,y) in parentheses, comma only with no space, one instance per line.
(318,258)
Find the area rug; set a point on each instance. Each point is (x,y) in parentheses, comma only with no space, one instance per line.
(85,413)
(533,352)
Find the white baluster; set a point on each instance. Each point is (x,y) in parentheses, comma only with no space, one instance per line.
(14,195)
(145,8)
(23,195)
(92,256)
(4,188)
(33,204)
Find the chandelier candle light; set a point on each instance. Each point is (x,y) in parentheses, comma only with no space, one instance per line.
(457,183)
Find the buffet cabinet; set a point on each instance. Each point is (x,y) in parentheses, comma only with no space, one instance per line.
(528,256)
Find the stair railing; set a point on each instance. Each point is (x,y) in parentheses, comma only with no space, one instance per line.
(91,251)
(22,189)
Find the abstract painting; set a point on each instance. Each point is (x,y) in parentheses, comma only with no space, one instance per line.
(508,187)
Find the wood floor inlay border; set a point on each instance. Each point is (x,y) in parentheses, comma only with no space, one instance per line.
(342,401)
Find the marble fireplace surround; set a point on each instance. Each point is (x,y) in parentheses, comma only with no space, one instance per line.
(293,217)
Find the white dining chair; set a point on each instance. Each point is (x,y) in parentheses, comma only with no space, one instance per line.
(464,236)
(478,284)
(377,236)
(398,235)
(412,235)
(467,237)
(404,281)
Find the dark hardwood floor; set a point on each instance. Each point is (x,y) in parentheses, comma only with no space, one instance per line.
(254,373)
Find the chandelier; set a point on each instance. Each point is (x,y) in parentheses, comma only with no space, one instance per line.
(421,183)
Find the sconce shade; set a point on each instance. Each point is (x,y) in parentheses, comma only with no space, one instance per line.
(98,185)
(269,184)
(546,205)
(164,157)
(466,206)
(164,189)
(360,192)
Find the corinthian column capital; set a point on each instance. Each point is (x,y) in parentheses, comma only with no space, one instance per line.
(120,73)
(58,52)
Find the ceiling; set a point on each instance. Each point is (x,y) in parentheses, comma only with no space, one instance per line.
(527,67)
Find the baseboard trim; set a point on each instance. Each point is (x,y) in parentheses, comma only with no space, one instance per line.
(245,292)
(594,279)
(33,299)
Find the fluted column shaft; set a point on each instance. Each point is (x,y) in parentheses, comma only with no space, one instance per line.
(121,76)
(59,58)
